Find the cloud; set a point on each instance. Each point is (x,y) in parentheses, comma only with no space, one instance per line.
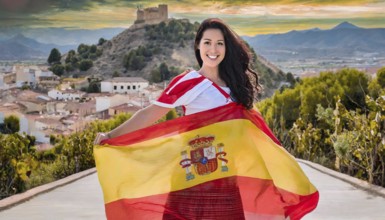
(261,16)
(38,6)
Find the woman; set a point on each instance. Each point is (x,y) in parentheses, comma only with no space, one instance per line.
(224,61)
(224,80)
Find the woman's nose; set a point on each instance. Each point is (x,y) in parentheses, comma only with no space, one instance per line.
(213,47)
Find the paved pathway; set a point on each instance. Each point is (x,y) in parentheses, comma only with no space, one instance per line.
(82,199)
(340,200)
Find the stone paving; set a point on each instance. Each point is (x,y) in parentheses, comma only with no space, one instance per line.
(341,197)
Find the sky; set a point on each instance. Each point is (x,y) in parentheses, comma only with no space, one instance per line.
(247,17)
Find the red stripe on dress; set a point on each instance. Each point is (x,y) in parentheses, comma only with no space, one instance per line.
(223,92)
(177,78)
(226,198)
(191,122)
(170,95)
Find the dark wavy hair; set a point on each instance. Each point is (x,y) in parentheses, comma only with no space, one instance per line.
(235,68)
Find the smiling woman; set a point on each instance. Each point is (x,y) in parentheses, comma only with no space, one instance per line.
(219,161)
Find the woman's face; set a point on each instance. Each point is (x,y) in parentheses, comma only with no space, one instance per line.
(212,47)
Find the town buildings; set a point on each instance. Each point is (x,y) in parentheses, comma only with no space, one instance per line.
(47,105)
(124,85)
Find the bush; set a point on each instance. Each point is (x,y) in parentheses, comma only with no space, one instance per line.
(12,124)
(54,56)
(85,64)
(40,176)
(57,69)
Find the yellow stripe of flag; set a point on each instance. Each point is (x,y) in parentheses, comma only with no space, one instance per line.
(153,167)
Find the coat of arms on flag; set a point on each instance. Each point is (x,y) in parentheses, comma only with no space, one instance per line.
(204,157)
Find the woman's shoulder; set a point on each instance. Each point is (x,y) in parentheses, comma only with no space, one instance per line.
(188,74)
(186,80)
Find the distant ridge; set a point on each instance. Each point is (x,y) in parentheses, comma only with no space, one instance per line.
(344,40)
(20,47)
(346,25)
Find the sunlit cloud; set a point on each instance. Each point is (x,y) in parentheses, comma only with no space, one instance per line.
(247,17)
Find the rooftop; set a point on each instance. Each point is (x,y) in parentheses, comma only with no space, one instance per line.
(126,79)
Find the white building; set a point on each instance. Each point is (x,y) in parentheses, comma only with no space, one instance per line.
(25,76)
(124,85)
(106,102)
(7,78)
(65,95)
(39,74)
(2,117)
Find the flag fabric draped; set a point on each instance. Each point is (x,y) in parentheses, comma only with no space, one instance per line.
(223,163)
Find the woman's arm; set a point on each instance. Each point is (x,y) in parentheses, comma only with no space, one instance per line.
(141,119)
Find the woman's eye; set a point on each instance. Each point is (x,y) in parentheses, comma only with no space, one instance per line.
(207,43)
(220,44)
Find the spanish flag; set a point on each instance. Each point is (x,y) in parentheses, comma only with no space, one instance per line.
(223,163)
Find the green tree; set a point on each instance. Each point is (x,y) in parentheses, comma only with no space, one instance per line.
(290,79)
(70,56)
(381,77)
(12,124)
(155,76)
(86,64)
(137,62)
(164,72)
(68,67)
(355,87)
(93,48)
(17,163)
(374,89)
(359,141)
(83,49)
(57,69)
(94,87)
(54,56)
(101,41)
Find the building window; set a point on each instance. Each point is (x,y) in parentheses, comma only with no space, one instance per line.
(121,87)
(115,87)
(133,87)
(128,87)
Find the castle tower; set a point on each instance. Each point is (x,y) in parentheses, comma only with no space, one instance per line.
(140,15)
(153,15)
(163,12)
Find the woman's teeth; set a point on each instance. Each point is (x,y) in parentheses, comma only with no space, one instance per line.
(212,57)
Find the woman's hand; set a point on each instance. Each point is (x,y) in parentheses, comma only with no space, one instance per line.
(99,137)
(141,119)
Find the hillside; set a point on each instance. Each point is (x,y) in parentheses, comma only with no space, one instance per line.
(170,43)
(115,50)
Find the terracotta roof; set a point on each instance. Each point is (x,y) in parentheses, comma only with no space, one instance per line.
(126,108)
(48,120)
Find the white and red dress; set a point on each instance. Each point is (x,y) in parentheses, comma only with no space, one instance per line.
(194,92)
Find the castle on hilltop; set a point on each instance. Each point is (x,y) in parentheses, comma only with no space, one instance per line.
(153,15)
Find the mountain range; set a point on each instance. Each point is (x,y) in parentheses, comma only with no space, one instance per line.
(35,44)
(344,40)
(22,48)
